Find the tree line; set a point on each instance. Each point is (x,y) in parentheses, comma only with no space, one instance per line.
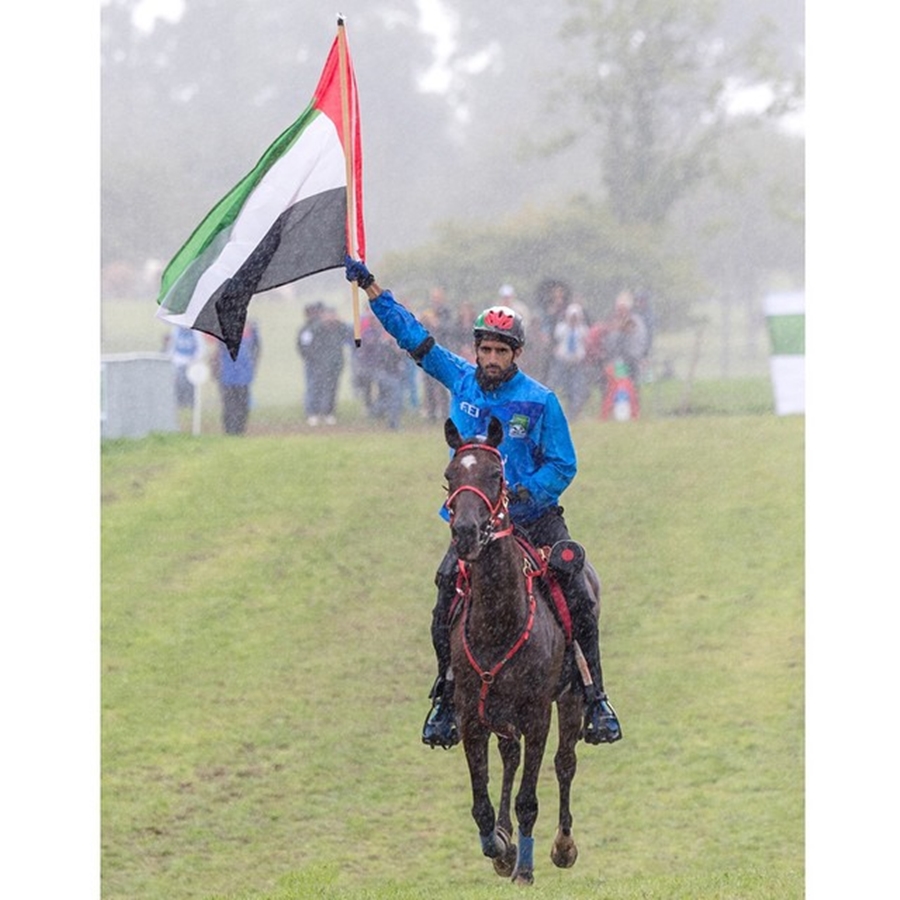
(595,140)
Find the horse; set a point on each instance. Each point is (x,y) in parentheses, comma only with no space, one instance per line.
(510,657)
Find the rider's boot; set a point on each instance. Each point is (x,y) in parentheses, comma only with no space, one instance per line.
(440,728)
(601,723)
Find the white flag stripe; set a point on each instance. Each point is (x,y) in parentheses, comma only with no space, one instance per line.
(314,164)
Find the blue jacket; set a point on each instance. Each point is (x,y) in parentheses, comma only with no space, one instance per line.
(537,447)
(240,372)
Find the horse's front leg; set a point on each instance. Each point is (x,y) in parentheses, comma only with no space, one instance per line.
(526,798)
(511,754)
(476,747)
(564,851)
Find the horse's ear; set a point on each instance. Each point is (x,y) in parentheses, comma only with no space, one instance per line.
(495,432)
(451,433)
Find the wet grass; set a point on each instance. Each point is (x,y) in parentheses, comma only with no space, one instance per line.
(265,663)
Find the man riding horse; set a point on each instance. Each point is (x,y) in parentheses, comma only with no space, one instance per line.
(539,459)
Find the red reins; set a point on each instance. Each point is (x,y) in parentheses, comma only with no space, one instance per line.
(487,676)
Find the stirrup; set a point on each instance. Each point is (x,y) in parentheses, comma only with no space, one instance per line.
(440,728)
(601,723)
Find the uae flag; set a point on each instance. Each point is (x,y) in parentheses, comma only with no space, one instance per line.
(298,212)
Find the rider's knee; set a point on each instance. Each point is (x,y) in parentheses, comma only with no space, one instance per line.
(567,559)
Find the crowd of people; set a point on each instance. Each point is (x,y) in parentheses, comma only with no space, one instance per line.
(578,356)
(575,355)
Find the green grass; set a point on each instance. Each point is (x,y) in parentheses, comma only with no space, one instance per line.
(265,663)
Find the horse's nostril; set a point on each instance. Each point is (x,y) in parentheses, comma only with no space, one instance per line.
(466,538)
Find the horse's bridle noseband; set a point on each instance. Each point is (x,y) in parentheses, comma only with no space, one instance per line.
(499,524)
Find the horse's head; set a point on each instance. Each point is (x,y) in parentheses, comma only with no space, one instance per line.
(476,490)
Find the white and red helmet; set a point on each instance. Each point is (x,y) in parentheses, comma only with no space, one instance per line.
(500,323)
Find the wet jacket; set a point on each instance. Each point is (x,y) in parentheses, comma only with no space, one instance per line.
(537,447)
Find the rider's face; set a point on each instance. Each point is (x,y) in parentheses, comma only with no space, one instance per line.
(495,357)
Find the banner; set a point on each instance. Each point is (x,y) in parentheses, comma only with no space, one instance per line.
(786,322)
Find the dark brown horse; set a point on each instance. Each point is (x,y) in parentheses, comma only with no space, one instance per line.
(511,660)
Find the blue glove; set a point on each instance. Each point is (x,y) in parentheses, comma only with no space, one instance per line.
(357,271)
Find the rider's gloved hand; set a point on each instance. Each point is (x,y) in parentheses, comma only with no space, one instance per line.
(357,271)
(519,494)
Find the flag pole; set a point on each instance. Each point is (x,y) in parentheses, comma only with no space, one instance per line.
(351,184)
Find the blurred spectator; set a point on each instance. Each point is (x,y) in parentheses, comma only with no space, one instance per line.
(363,363)
(438,318)
(413,374)
(627,337)
(568,375)
(320,342)
(509,297)
(551,300)
(621,345)
(235,377)
(644,308)
(184,347)
(462,333)
(388,371)
(313,313)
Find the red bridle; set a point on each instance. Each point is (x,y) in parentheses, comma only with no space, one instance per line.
(498,509)
(500,526)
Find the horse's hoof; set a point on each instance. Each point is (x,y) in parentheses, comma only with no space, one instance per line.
(523,878)
(564,852)
(506,861)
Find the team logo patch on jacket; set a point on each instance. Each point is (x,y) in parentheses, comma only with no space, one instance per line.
(518,426)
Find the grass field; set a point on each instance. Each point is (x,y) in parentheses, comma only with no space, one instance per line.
(266,660)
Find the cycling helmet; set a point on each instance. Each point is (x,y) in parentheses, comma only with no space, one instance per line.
(500,323)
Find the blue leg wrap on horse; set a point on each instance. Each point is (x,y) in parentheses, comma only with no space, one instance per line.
(489,845)
(526,851)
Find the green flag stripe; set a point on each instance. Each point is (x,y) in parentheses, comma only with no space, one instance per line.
(177,295)
(788,335)
(222,215)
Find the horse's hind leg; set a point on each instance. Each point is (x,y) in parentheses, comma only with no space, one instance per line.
(569,709)
(511,754)
(564,852)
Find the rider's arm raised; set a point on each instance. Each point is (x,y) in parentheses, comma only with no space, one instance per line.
(409,333)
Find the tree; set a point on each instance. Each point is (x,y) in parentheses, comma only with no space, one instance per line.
(189,106)
(655,85)
(745,229)
(579,242)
